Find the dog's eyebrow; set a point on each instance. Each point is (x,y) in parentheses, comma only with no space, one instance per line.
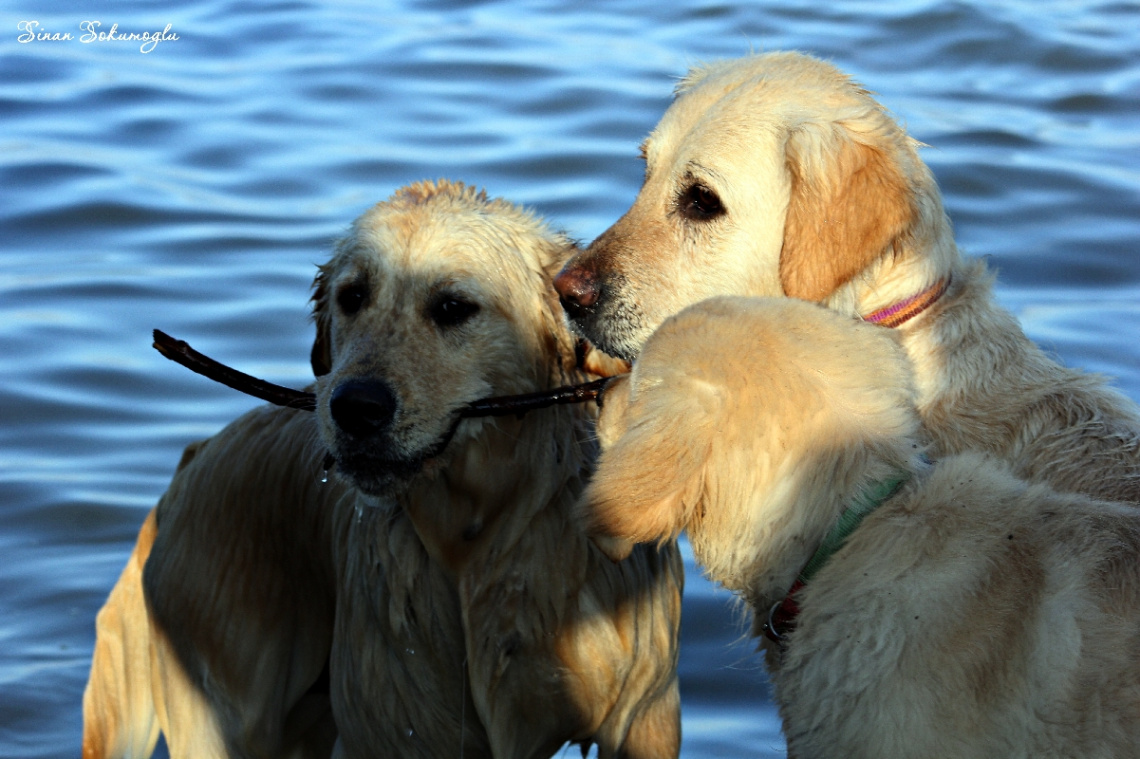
(696,172)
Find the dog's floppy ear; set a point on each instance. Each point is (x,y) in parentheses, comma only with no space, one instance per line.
(646,489)
(321,355)
(849,203)
(649,481)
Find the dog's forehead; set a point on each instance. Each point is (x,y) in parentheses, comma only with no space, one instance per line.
(719,118)
(406,246)
(758,94)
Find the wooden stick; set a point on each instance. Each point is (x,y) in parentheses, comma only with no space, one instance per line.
(506,405)
(180,352)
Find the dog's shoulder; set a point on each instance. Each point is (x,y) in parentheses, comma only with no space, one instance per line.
(971,582)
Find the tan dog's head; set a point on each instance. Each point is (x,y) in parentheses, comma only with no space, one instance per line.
(769,175)
(436,297)
(750,422)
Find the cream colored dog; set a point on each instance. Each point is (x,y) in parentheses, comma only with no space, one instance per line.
(969,614)
(777,175)
(440,574)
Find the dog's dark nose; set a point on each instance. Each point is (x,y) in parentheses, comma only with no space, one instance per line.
(577,289)
(363,408)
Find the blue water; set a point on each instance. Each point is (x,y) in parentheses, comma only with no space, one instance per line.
(194,187)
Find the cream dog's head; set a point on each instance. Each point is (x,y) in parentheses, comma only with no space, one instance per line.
(749,422)
(437,297)
(769,175)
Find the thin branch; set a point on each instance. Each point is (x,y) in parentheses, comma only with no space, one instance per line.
(520,404)
(180,352)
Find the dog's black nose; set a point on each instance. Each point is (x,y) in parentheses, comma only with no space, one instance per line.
(578,290)
(363,408)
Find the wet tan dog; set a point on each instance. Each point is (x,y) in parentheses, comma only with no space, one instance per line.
(473,612)
(777,175)
(441,573)
(969,614)
(224,651)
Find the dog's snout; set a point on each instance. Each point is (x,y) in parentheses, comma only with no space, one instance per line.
(577,289)
(363,408)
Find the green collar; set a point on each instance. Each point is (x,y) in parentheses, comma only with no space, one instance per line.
(782,615)
(863,504)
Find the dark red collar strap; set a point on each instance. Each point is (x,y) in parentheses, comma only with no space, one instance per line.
(782,615)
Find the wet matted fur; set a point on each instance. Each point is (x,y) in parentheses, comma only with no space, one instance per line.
(436,594)
(972,614)
(776,175)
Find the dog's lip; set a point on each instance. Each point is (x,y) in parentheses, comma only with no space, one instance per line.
(604,344)
(436,450)
(405,466)
(595,326)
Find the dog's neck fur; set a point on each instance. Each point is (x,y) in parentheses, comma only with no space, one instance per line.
(458,509)
(968,353)
(792,506)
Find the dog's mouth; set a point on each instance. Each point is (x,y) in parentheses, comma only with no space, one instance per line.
(613,326)
(376,469)
(379,467)
(611,333)
(598,311)
(369,406)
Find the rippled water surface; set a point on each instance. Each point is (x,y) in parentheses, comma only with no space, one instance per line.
(194,187)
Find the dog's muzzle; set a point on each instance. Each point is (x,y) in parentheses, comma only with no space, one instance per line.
(364,412)
(595,313)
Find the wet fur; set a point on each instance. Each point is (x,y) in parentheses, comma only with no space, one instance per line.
(452,605)
(825,199)
(972,614)
(478,562)
(223,647)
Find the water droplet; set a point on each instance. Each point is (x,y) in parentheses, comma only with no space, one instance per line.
(411,732)
(325,476)
(411,651)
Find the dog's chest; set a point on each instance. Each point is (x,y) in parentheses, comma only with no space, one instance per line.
(399,659)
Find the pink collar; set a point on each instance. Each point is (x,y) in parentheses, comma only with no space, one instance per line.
(905,310)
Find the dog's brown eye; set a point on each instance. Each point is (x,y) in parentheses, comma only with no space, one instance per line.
(699,203)
(351,298)
(450,311)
